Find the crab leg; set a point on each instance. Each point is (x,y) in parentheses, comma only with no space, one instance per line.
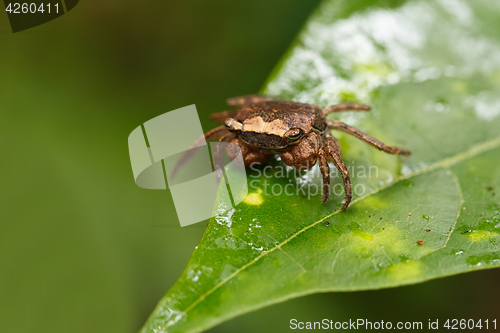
(220,117)
(337,125)
(213,134)
(346,107)
(217,155)
(335,153)
(325,171)
(249,99)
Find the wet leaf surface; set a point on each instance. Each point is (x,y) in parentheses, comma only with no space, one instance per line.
(431,71)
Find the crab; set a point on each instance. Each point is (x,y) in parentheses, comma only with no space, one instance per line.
(262,127)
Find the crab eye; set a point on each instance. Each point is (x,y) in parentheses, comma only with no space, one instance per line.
(294,134)
(233,125)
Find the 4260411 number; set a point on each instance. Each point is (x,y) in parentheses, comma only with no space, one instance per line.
(25,8)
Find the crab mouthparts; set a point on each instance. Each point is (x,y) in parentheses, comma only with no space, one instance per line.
(264,140)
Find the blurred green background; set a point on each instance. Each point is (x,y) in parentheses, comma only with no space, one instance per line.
(82,248)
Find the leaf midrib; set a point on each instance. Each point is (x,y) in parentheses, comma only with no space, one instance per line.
(446,163)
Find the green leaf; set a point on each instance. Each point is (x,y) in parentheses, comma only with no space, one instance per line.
(431,71)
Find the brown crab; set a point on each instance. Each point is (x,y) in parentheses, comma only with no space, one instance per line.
(299,133)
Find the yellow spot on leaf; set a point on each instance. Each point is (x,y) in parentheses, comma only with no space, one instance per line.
(405,270)
(374,202)
(360,242)
(362,234)
(392,239)
(254,199)
(389,240)
(480,235)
